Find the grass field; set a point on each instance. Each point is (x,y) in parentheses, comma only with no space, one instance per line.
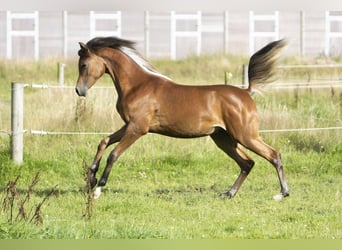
(164,187)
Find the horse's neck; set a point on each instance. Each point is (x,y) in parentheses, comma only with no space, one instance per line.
(125,73)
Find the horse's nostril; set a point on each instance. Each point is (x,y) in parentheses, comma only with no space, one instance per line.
(81,91)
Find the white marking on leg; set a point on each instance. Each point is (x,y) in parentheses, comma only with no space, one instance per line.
(278,197)
(97,193)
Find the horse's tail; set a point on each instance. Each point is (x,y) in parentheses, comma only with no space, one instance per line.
(261,68)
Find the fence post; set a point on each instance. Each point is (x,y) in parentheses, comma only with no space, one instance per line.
(61,67)
(17,122)
(226,32)
(245,82)
(302,33)
(147,34)
(65,34)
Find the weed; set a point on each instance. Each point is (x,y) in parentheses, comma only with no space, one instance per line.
(88,192)
(37,217)
(12,194)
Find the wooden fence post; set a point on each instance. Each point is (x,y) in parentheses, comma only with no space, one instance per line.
(17,122)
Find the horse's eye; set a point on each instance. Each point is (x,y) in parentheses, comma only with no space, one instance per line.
(83,66)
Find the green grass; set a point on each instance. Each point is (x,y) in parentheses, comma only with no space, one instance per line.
(168,188)
(174,195)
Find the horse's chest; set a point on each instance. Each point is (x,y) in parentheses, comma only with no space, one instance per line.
(122,110)
(129,108)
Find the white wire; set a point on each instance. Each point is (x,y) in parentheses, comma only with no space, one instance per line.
(43,132)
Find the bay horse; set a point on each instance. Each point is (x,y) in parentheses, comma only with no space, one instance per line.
(149,102)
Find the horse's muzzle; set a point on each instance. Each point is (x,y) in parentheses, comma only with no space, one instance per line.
(81,91)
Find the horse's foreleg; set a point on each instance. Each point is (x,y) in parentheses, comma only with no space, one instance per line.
(130,136)
(106,142)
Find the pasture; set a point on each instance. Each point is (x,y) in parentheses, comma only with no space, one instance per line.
(164,187)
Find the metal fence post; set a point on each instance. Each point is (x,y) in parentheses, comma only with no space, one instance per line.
(17,122)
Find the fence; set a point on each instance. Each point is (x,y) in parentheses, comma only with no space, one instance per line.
(272,32)
(12,32)
(17,115)
(158,34)
(331,18)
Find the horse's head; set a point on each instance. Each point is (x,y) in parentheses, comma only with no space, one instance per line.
(90,68)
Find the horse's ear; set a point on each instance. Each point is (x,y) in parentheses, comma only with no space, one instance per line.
(84,49)
(83,46)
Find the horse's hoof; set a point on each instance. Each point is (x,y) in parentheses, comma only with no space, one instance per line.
(225,195)
(93,181)
(91,178)
(103,182)
(278,197)
(97,193)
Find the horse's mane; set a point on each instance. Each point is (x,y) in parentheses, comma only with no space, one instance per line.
(98,43)
(125,46)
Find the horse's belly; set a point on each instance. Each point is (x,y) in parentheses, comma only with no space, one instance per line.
(185,128)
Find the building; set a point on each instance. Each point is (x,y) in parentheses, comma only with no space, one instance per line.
(170,34)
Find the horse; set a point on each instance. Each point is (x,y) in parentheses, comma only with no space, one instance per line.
(149,102)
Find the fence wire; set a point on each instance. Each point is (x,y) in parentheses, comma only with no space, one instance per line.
(44,132)
(279,85)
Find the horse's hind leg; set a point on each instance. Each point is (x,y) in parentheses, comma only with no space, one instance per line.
(258,146)
(230,146)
